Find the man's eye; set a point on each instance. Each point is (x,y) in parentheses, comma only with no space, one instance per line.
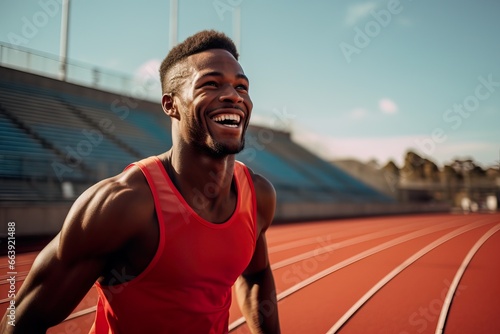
(242,87)
(210,83)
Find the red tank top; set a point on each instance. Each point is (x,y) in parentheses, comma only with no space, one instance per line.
(187,286)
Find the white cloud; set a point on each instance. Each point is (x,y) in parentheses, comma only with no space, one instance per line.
(388,106)
(363,149)
(357,113)
(148,71)
(147,77)
(356,13)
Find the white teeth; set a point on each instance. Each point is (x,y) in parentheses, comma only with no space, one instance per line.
(224,117)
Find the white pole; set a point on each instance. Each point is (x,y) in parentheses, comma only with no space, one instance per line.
(237,27)
(174,9)
(63,51)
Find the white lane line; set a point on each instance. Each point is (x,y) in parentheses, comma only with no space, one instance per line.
(337,235)
(81,313)
(302,242)
(20,276)
(345,243)
(399,240)
(458,276)
(313,239)
(398,270)
(18,264)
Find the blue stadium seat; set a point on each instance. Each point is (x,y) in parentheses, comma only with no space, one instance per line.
(46,126)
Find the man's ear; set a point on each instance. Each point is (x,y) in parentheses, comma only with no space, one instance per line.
(169,106)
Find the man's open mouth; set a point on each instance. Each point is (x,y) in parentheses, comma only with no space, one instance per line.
(229,120)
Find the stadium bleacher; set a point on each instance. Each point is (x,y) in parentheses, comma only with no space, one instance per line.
(55,132)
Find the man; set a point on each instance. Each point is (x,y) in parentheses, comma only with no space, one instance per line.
(165,240)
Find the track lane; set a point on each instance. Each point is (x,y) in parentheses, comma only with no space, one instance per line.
(327,245)
(282,234)
(410,302)
(316,307)
(359,254)
(458,276)
(287,239)
(476,308)
(301,276)
(396,271)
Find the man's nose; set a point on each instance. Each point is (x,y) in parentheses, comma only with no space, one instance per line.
(230,95)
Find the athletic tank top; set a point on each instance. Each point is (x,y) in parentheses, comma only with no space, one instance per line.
(186,288)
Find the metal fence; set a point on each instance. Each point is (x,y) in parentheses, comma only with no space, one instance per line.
(79,73)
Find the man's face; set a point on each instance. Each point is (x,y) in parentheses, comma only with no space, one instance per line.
(215,106)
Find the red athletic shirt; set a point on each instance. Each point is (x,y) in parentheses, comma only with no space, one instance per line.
(187,286)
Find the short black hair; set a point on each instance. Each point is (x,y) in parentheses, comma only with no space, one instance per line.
(199,42)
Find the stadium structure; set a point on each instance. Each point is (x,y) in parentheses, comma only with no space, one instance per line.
(59,137)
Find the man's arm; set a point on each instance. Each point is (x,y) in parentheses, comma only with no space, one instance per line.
(255,289)
(98,225)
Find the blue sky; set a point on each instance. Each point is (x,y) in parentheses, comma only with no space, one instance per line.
(351,79)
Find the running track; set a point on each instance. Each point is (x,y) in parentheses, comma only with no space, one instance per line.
(435,273)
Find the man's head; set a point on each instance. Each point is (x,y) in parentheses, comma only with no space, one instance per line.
(205,92)
(171,73)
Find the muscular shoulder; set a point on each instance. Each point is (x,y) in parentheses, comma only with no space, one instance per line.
(266,199)
(106,216)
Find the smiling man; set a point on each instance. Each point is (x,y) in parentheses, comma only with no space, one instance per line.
(165,241)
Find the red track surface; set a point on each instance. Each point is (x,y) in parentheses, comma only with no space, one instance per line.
(371,275)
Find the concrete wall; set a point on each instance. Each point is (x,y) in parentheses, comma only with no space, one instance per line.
(33,219)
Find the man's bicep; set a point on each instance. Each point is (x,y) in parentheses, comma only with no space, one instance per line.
(67,268)
(266,203)
(53,288)
(97,225)
(63,271)
(260,259)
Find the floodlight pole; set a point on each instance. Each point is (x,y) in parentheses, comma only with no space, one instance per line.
(174,10)
(63,51)
(237,27)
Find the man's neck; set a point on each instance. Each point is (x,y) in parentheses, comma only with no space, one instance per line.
(205,182)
